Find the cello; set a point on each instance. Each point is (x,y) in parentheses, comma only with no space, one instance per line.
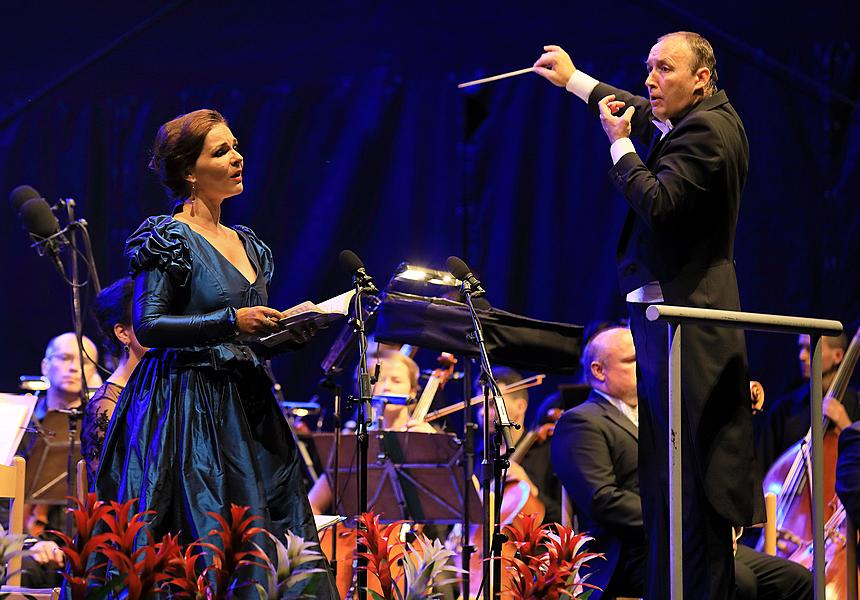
(791,474)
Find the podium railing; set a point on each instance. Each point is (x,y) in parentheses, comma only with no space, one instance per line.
(677,317)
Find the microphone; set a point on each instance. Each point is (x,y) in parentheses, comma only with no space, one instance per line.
(39,221)
(352,264)
(20,195)
(461,271)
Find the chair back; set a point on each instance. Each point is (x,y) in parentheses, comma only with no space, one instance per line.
(12,486)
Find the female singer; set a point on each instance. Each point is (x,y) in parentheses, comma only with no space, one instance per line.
(113,314)
(197,427)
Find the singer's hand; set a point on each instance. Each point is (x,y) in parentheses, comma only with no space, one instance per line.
(302,333)
(555,65)
(258,320)
(615,127)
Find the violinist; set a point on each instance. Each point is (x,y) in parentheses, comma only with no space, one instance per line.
(398,375)
(787,421)
(595,452)
(534,467)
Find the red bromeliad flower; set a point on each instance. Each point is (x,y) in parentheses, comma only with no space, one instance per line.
(551,557)
(529,537)
(530,583)
(383,549)
(182,580)
(80,574)
(232,556)
(124,530)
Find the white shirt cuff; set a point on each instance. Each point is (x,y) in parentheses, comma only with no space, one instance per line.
(581,84)
(619,148)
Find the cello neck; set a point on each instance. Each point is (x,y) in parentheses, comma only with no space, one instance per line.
(846,369)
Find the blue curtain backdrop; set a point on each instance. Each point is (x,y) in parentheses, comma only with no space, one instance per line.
(355,136)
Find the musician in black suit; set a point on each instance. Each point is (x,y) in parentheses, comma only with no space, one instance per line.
(594,453)
(848,471)
(676,247)
(786,420)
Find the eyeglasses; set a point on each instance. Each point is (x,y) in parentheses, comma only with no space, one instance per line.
(68,358)
(63,358)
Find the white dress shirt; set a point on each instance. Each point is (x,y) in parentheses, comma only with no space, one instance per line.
(631,412)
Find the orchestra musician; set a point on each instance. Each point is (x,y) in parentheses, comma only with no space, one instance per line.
(534,468)
(112,308)
(595,453)
(61,366)
(398,376)
(787,421)
(848,471)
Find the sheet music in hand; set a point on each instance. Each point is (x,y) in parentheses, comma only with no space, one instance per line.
(323,521)
(307,312)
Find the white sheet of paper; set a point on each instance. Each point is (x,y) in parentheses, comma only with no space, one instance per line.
(323,521)
(15,413)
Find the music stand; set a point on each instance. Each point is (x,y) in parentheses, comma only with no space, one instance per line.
(48,460)
(512,340)
(412,476)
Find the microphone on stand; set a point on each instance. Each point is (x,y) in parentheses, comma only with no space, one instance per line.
(352,264)
(39,221)
(461,271)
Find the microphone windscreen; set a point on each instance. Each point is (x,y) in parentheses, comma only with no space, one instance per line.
(350,262)
(457,267)
(38,219)
(20,195)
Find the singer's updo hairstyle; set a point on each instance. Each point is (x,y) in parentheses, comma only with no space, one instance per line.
(176,148)
(111,307)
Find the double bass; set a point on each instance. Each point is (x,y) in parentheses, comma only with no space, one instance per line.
(791,476)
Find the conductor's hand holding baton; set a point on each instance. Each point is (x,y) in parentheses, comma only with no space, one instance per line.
(555,65)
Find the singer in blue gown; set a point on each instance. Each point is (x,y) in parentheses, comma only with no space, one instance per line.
(197,427)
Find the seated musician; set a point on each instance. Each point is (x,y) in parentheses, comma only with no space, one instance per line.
(595,451)
(534,467)
(398,375)
(848,471)
(787,421)
(113,313)
(61,366)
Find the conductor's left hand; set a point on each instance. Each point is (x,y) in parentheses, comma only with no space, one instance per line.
(616,127)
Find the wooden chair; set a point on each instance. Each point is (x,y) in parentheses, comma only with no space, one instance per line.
(12,486)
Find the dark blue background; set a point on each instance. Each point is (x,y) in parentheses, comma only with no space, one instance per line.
(355,135)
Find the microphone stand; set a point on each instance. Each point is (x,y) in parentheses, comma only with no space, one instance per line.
(329,383)
(469,428)
(75,414)
(365,394)
(494,463)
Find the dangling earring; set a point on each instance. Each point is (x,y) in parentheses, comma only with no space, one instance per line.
(126,349)
(193,191)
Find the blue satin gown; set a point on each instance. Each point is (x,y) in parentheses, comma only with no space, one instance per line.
(197,427)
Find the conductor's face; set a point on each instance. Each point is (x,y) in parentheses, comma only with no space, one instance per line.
(673,84)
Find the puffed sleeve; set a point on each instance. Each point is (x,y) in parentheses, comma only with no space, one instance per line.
(160,261)
(264,255)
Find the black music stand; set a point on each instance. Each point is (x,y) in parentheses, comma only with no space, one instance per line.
(412,476)
(48,462)
(512,340)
